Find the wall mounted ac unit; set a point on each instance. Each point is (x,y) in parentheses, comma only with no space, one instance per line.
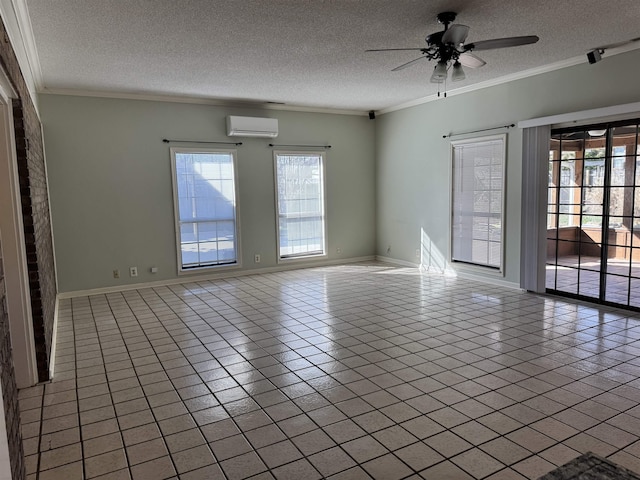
(252,127)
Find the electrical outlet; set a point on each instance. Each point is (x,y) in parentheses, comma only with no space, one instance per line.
(116,273)
(417,253)
(256,258)
(133,271)
(338,250)
(153,269)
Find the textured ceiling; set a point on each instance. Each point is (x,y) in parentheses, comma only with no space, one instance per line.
(300,52)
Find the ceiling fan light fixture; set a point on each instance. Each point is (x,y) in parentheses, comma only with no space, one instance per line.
(458,73)
(441,69)
(439,72)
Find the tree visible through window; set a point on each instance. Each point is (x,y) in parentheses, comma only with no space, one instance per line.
(477,200)
(205,207)
(300,204)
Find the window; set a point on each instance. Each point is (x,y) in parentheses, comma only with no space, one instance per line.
(477,200)
(300,204)
(204,190)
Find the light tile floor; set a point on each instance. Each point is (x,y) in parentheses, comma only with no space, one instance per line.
(342,372)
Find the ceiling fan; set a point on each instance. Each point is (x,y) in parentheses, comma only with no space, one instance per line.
(449,50)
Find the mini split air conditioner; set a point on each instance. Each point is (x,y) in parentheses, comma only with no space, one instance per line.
(252,127)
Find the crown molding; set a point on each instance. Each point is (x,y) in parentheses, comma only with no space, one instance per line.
(510,78)
(197,100)
(29,41)
(15,15)
(489,83)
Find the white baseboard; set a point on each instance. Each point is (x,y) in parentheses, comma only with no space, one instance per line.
(54,338)
(423,268)
(450,273)
(395,261)
(489,280)
(213,276)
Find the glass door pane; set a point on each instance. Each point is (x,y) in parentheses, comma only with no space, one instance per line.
(574,218)
(593,220)
(592,160)
(623,216)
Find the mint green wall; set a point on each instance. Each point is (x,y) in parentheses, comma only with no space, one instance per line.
(413,185)
(110,184)
(387,180)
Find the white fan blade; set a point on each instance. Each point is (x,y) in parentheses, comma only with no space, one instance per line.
(468,59)
(455,35)
(502,43)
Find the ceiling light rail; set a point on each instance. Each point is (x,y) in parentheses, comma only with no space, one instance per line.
(299,146)
(449,135)
(166,140)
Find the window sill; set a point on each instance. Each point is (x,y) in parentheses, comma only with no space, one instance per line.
(305,258)
(477,269)
(209,269)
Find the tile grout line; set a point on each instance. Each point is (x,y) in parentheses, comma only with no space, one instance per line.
(145,395)
(522,360)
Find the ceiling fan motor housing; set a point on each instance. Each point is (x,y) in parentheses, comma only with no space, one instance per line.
(446,18)
(439,50)
(434,38)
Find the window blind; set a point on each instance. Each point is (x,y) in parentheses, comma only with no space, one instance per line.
(477,200)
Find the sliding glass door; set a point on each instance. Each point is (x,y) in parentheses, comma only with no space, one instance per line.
(593,220)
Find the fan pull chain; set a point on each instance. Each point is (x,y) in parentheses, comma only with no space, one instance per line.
(444,94)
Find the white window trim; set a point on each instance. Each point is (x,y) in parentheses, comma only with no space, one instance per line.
(323,169)
(176,211)
(471,267)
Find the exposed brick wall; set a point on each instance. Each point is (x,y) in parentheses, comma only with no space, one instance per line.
(38,245)
(37,228)
(35,208)
(9,390)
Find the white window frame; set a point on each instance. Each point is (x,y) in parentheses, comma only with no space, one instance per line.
(467,264)
(176,210)
(323,162)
